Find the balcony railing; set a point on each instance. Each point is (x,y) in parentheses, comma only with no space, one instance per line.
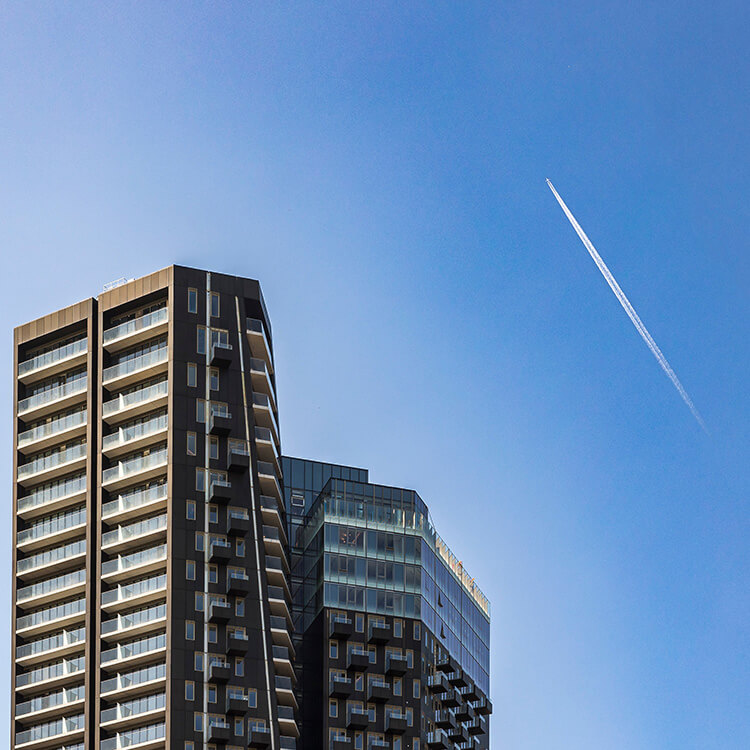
(135,737)
(51,729)
(134,500)
(133,466)
(67,351)
(137,706)
(128,400)
(57,393)
(135,364)
(52,428)
(135,530)
(136,648)
(50,526)
(126,435)
(123,563)
(63,639)
(133,590)
(53,460)
(58,612)
(53,491)
(51,585)
(134,619)
(60,699)
(62,668)
(127,680)
(258,340)
(142,323)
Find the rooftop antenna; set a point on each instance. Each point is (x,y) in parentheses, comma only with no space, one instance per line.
(109,286)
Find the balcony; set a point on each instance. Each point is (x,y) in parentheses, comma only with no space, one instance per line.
(340,743)
(122,537)
(261,379)
(137,622)
(280,632)
(277,603)
(51,531)
(237,584)
(437,684)
(57,702)
(357,718)
(287,723)
(395,723)
(464,713)
(143,650)
(259,737)
(395,664)
(54,465)
(58,430)
(220,551)
(149,737)
(340,627)
(61,644)
(137,368)
(221,354)
(136,330)
(458,735)
(445,719)
(269,482)
(478,725)
(137,402)
(445,664)
(375,743)
(220,672)
(220,423)
(129,712)
(143,561)
(136,436)
(267,450)
(259,344)
(65,671)
(276,575)
(68,730)
(65,357)
(451,698)
(57,398)
(358,660)
(140,468)
(139,592)
(274,541)
(471,692)
(282,662)
(340,687)
(457,679)
(285,691)
(53,496)
(137,502)
(51,590)
(237,644)
(287,743)
(378,692)
(219,611)
(264,414)
(219,734)
(379,633)
(236,702)
(439,740)
(238,458)
(271,513)
(483,707)
(219,491)
(51,618)
(145,679)
(238,522)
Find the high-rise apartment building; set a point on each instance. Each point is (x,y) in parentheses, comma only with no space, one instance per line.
(178,584)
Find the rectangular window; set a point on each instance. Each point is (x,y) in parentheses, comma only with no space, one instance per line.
(213,574)
(239,607)
(190,570)
(415,744)
(190,510)
(239,667)
(192,375)
(213,633)
(239,548)
(333,650)
(200,480)
(200,411)
(189,630)
(239,727)
(200,542)
(396,743)
(213,514)
(189,745)
(198,661)
(213,445)
(359,741)
(409,716)
(192,444)
(359,623)
(397,686)
(211,693)
(192,300)
(409,658)
(189,690)
(214,378)
(214,305)
(252,698)
(371,711)
(198,722)
(397,628)
(415,689)
(359,682)
(199,602)
(200,343)
(333,708)
(417,631)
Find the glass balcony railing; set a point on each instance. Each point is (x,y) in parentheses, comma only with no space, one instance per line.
(261,401)
(58,612)
(150,320)
(51,585)
(56,393)
(63,639)
(133,619)
(53,491)
(52,428)
(135,737)
(67,351)
(134,707)
(52,461)
(134,432)
(123,563)
(132,590)
(136,648)
(61,668)
(131,679)
(141,396)
(134,466)
(134,500)
(51,729)
(51,556)
(133,531)
(59,699)
(53,525)
(135,364)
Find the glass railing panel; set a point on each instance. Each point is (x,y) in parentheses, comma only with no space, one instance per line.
(51,491)
(142,395)
(124,533)
(135,465)
(59,611)
(53,394)
(139,617)
(137,736)
(136,648)
(131,590)
(125,562)
(53,427)
(134,707)
(142,429)
(51,585)
(133,500)
(54,355)
(59,640)
(52,460)
(52,671)
(141,323)
(44,702)
(51,729)
(141,362)
(52,525)
(137,677)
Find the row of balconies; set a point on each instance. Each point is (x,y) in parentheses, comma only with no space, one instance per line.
(341,627)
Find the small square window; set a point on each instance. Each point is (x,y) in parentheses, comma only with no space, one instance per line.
(189,691)
(192,300)
(192,444)
(189,630)
(214,379)
(192,375)
(214,305)
(189,745)
(190,510)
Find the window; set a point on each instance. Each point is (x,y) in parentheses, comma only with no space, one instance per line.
(198,722)
(214,378)
(213,445)
(359,741)
(333,708)
(415,689)
(190,510)
(409,658)
(199,601)
(213,514)
(192,443)
(214,305)
(415,744)
(211,693)
(189,691)
(417,631)
(213,574)
(200,344)
(359,682)
(359,623)
(298,501)
(333,650)
(213,633)
(239,667)
(189,745)
(371,711)
(192,375)
(239,548)
(200,411)
(198,661)
(239,607)
(190,570)
(200,542)
(396,743)
(200,480)
(192,300)
(397,628)
(409,716)
(239,727)
(189,630)
(397,686)
(252,698)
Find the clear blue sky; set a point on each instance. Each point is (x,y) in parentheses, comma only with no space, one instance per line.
(380,168)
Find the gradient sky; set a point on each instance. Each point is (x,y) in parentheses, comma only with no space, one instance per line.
(381,167)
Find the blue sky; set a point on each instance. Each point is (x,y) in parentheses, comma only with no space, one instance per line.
(380,168)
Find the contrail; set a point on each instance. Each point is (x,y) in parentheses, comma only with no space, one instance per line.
(632,314)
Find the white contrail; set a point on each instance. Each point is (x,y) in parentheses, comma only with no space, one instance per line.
(625,302)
